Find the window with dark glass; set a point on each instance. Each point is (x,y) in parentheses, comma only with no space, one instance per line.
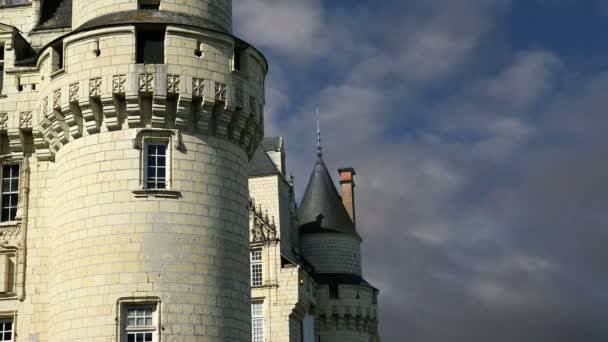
(151,46)
(156,166)
(10,192)
(153,5)
(6,330)
(334,291)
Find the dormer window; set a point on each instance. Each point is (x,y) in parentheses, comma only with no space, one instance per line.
(151,5)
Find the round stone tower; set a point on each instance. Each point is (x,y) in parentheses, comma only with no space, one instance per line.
(347,304)
(150,111)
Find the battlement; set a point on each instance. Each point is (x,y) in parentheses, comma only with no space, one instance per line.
(90,82)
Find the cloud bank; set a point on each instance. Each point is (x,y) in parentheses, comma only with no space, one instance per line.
(482,188)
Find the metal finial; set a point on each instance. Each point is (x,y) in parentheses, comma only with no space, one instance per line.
(319,146)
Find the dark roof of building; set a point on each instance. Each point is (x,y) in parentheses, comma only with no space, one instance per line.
(55,15)
(322,210)
(272,144)
(261,164)
(151,17)
(341,279)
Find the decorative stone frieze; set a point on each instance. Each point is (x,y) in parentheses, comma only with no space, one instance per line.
(239,94)
(57,99)
(220,91)
(173,84)
(74,92)
(146,83)
(198,87)
(25,119)
(118,84)
(263,227)
(3,121)
(95,87)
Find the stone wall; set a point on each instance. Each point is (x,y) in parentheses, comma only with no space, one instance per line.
(109,244)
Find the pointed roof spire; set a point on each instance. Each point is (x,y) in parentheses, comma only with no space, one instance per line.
(319,146)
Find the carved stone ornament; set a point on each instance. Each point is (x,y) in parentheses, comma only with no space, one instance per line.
(198,87)
(45,107)
(146,83)
(95,87)
(173,84)
(74,92)
(25,119)
(252,105)
(239,95)
(57,98)
(3,121)
(263,228)
(220,91)
(118,84)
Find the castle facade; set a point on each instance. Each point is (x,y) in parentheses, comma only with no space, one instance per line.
(131,208)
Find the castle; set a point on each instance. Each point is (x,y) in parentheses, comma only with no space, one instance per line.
(140,201)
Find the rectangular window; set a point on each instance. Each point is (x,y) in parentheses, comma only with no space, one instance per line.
(257,322)
(256,267)
(140,325)
(1,68)
(151,47)
(156,166)
(153,5)
(334,291)
(6,330)
(10,192)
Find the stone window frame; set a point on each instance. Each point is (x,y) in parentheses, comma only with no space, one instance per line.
(125,303)
(170,137)
(11,273)
(156,181)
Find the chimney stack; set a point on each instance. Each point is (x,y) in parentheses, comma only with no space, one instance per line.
(347,180)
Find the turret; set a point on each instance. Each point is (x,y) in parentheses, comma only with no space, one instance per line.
(347,304)
(137,124)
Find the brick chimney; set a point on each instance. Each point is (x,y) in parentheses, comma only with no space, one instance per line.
(347,180)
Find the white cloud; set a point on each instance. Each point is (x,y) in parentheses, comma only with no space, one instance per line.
(291,27)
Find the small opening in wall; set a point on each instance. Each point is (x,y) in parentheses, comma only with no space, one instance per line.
(237,59)
(334,291)
(2,52)
(58,48)
(151,46)
(150,5)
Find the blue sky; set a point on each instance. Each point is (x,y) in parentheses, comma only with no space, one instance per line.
(477,128)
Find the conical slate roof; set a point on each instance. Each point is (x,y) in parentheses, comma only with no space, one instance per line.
(321,209)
